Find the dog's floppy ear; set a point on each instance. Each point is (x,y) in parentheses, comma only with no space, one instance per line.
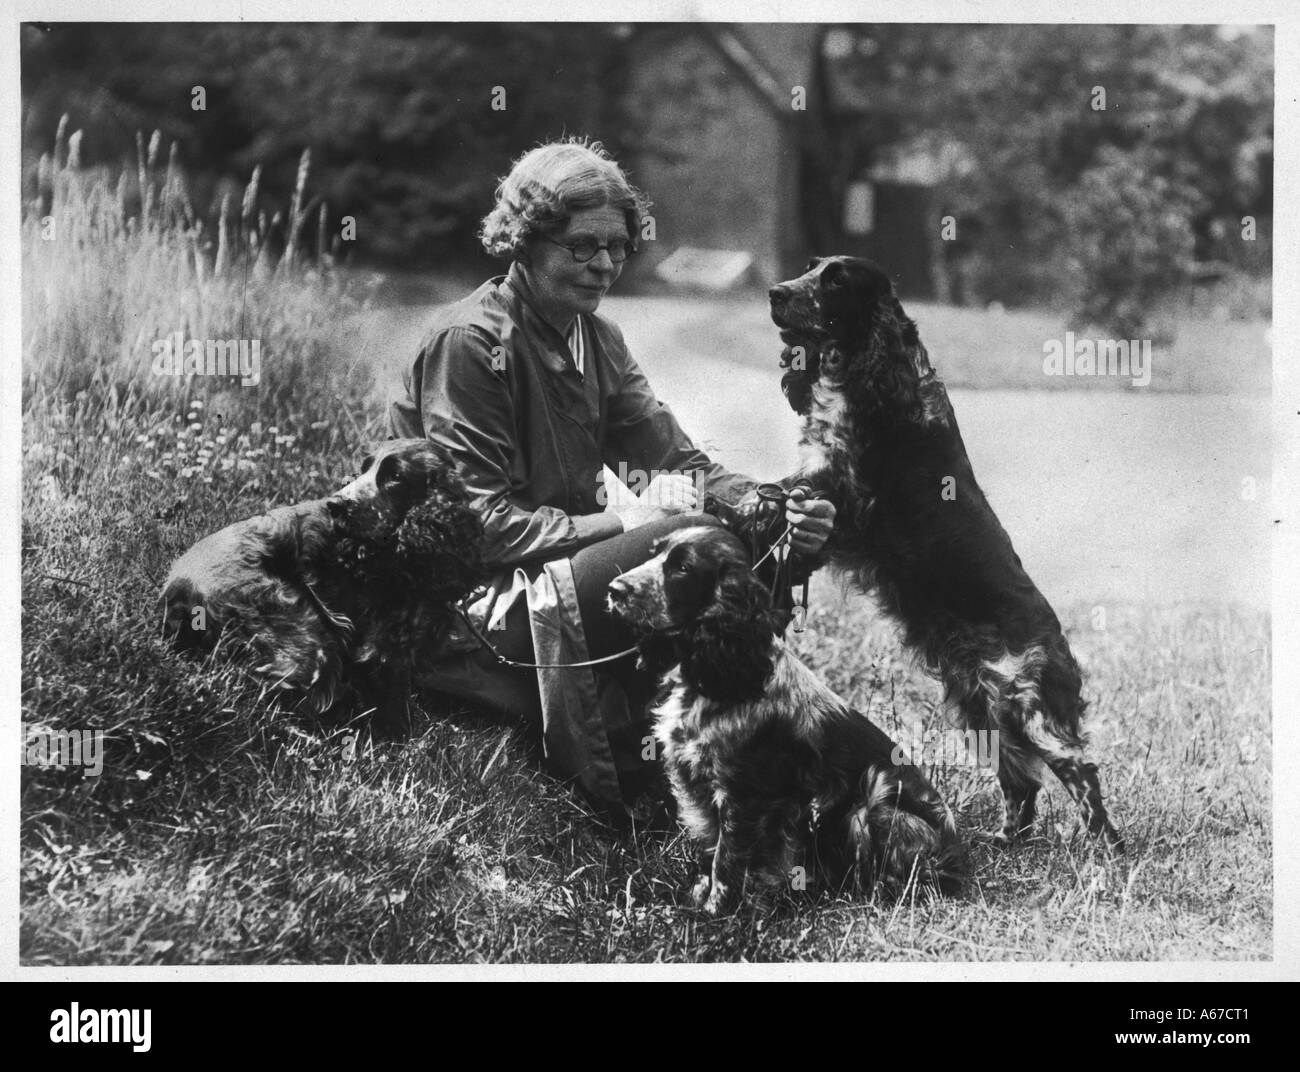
(658,653)
(906,325)
(895,372)
(438,546)
(727,655)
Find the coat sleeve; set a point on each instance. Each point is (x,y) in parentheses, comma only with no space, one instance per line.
(643,432)
(467,408)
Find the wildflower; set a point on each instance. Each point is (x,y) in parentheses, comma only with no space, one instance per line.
(197,404)
(187,471)
(196,427)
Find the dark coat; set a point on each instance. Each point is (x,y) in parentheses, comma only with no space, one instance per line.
(494,383)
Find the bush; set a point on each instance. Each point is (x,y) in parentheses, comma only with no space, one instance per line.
(1132,242)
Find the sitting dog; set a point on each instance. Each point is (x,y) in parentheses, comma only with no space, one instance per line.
(333,600)
(765,762)
(879,438)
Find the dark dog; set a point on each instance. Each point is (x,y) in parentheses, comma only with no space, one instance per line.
(766,763)
(334,599)
(880,439)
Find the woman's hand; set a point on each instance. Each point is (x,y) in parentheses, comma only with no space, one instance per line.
(813,520)
(672,492)
(666,495)
(636,513)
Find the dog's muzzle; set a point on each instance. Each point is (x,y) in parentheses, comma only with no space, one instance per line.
(636,599)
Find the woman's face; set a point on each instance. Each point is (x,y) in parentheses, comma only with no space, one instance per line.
(565,288)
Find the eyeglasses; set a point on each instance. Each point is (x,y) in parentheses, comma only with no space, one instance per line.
(585,248)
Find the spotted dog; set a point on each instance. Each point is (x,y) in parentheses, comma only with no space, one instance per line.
(769,767)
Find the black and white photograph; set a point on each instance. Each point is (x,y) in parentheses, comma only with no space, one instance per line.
(542,491)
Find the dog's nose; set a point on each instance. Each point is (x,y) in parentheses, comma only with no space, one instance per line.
(779,294)
(619,589)
(334,507)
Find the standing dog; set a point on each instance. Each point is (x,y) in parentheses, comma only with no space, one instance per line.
(337,598)
(767,763)
(879,436)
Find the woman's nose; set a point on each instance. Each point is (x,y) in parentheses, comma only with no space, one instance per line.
(602,262)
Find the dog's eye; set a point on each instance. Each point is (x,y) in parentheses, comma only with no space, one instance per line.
(389,471)
(833,277)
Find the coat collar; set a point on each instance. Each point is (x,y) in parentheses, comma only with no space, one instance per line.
(516,281)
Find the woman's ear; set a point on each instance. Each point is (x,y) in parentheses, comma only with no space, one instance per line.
(727,654)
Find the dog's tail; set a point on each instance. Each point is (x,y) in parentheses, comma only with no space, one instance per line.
(898,849)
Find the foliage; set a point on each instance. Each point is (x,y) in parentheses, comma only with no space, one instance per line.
(399,117)
(1181,151)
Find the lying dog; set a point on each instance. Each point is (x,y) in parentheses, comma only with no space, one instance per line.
(767,763)
(880,440)
(332,600)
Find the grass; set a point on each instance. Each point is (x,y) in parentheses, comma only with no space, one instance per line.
(226,831)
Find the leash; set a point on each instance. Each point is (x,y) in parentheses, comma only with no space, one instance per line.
(505,660)
(768,518)
(772,499)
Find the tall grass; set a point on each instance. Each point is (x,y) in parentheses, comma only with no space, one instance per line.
(123,469)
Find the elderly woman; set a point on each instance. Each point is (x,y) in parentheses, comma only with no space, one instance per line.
(532,393)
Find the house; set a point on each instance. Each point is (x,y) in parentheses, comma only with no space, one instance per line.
(739,135)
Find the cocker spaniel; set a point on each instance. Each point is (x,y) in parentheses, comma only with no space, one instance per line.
(769,767)
(913,527)
(334,600)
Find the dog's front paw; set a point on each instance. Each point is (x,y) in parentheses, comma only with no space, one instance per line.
(720,901)
(700,891)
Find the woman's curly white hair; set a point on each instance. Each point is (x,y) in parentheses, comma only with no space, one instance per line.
(550,183)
